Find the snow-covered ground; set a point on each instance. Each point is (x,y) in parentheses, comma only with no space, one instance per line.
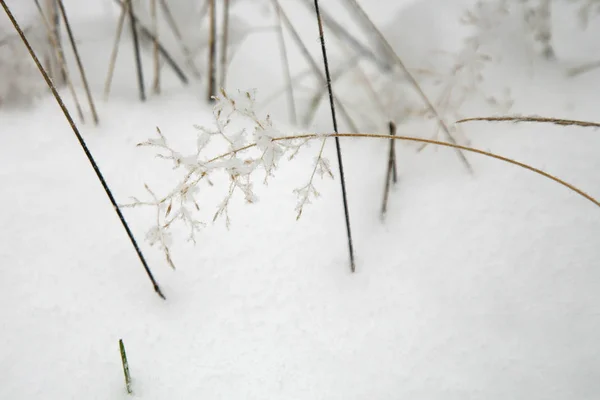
(479,286)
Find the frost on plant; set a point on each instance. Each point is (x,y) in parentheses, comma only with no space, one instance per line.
(250,147)
(19,77)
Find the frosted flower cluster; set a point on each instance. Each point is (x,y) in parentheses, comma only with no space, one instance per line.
(249,147)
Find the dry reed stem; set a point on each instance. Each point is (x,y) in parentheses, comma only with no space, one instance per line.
(115,50)
(310,136)
(533,118)
(71,36)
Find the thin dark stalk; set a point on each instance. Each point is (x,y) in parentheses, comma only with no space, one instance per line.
(136,50)
(212,50)
(147,33)
(286,68)
(337,139)
(83,146)
(86,86)
(391,175)
(392,127)
(224,43)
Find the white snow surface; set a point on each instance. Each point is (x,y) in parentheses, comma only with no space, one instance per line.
(480,286)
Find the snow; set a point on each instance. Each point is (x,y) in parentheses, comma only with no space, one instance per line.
(476,286)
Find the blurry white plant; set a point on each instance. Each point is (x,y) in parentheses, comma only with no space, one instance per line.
(252,144)
(19,77)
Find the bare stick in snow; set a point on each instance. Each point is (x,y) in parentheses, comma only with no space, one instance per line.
(86,86)
(337,139)
(83,146)
(115,50)
(125,366)
(212,50)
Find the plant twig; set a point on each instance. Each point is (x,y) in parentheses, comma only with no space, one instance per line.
(86,86)
(337,140)
(533,118)
(83,146)
(125,366)
(136,51)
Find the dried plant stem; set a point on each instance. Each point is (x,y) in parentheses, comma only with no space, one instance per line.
(286,68)
(533,118)
(125,364)
(412,80)
(186,51)
(212,50)
(52,34)
(224,43)
(83,146)
(86,86)
(155,48)
(313,64)
(337,139)
(392,174)
(311,136)
(115,50)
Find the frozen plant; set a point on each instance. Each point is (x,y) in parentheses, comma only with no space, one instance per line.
(19,77)
(251,144)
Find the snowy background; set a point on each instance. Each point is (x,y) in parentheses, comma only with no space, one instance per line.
(480,286)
